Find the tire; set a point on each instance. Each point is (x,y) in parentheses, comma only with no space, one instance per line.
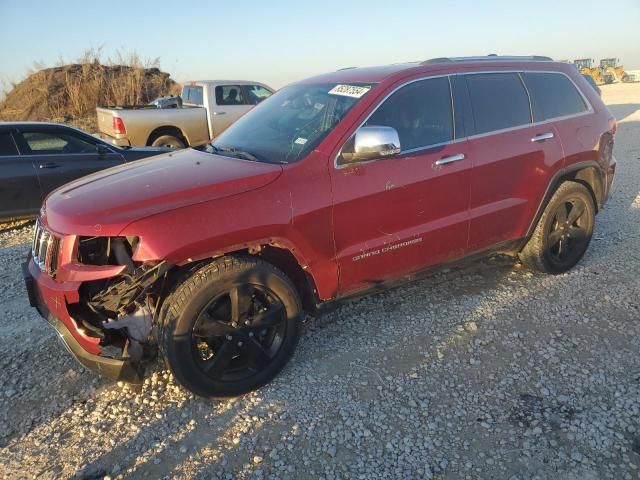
(208,352)
(564,231)
(168,141)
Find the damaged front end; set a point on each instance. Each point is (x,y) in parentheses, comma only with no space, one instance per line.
(102,303)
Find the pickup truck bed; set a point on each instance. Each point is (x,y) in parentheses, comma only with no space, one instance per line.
(145,124)
(208,108)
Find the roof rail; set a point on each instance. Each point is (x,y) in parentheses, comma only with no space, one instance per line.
(491,58)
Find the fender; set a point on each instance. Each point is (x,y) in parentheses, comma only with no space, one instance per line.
(555,183)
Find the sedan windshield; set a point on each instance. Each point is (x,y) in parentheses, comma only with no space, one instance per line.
(288,125)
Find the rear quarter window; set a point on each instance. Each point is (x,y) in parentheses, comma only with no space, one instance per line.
(192,94)
(553,95)
(498,101)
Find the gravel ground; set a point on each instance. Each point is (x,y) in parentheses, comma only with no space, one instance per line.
(482,371)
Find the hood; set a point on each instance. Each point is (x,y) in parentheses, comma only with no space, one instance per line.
(105,202)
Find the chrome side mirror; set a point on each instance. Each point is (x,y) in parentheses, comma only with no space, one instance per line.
(370,143)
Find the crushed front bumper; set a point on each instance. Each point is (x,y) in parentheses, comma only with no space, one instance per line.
(49,298)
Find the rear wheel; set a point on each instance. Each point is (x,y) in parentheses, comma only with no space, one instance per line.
(230,327)
(168,141)
(564,231)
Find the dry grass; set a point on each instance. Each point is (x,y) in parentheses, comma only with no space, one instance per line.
(71,92)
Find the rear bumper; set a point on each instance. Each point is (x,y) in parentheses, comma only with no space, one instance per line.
(118,142)
(51,304)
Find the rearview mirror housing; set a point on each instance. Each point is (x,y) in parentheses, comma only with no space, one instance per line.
(370,143)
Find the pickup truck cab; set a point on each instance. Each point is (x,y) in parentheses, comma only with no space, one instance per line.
(208,108)
(336,185)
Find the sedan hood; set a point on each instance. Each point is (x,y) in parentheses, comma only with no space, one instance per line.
(105,202)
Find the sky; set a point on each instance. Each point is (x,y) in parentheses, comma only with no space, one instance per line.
(278,42)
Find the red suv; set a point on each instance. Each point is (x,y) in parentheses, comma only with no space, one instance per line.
(333,186)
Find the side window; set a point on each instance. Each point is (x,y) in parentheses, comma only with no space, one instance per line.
(192,94)
(553,95)
(7,147)
(53,143)
(230,95)
(421,113)
(257,93)
(498,100)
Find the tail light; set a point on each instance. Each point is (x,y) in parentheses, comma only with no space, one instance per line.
(613,126)
(118,125)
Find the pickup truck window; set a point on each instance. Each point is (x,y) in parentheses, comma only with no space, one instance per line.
(292,122)
(230,95)
(192,95)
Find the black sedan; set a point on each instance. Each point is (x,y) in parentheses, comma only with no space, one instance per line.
(36,158)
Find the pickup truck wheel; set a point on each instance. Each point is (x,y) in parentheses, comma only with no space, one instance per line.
(168,141)
(230,327)
(564,231)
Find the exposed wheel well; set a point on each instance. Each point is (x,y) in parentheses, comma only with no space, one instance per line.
(167,130)
(280,258)
(590,178)
(285,261)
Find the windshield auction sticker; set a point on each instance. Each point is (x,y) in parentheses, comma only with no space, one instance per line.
(354,91)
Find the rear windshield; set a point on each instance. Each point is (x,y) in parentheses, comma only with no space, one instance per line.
(192,94)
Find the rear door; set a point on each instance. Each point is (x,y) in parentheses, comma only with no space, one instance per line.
(513,159)
(62,154)
(397,215)
(231,103)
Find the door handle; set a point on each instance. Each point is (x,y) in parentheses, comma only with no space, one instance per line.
(542,137)
(48,165)
(219,113)
(450,159)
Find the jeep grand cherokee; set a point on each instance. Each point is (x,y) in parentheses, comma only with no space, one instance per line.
(333,186)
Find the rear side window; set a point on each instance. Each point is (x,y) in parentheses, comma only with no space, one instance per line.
(192,94)
(498,101)
(420,112)
(7,147)
(553,95)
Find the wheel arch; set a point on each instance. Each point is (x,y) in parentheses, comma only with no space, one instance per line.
(167,130)
(280,256)
(588,174)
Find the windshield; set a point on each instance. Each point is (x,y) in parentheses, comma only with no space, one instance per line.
(289,124)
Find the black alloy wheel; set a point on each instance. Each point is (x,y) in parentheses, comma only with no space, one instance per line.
(238,333)
(569,232)
(230,326)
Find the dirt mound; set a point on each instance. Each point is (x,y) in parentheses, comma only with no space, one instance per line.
(71,92)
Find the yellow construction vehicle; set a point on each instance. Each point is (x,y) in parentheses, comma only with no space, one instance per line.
(585,66)
(612,71)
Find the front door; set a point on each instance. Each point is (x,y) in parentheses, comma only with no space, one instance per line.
(398,215)
(231,103)
(59,155)
(20,193)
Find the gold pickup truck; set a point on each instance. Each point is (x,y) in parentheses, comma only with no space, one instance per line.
(205,110)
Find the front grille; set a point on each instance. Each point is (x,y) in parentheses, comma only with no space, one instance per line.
(45,249)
